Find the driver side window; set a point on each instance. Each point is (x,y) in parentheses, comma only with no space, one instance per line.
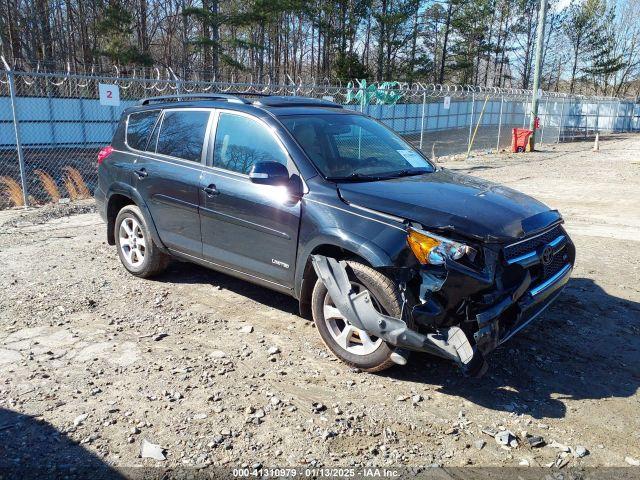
(241,142)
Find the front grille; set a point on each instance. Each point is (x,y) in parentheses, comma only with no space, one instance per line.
(532,244)
(559,260)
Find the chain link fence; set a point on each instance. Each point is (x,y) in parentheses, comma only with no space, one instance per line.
(53,125)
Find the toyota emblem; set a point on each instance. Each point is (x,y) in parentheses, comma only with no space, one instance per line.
(547,255)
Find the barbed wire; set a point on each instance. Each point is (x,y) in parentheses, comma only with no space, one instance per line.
(159,79)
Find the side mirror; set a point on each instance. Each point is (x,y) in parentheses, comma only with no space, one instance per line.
(296,187)
(269,173)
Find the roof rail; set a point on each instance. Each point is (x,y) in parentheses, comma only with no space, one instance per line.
(294,101)
(194,96)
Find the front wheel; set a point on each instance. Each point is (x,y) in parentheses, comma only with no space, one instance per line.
(353,346)
(137,252)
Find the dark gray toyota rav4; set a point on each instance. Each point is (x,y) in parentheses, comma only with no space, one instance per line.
(386,251)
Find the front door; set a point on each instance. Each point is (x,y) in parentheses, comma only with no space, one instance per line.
(248,227)
(168,177)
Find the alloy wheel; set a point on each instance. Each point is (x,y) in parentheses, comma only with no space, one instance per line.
(347,336)
(132,242)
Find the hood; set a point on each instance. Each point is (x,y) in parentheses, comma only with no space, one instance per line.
(445,200)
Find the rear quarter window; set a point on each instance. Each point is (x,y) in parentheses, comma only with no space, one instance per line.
(139,128)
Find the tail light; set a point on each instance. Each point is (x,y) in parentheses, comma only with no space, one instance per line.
(104,153)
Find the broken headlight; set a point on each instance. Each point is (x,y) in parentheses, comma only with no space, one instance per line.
(432,249)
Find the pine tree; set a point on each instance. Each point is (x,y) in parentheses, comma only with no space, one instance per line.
(471,42)
(583,22)
(605,60)
(115,33)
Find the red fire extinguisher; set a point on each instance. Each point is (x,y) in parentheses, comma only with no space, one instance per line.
(536,123)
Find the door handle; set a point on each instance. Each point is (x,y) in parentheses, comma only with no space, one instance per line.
(211,190)
(141,173)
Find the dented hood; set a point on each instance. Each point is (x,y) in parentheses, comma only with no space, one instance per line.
(452,201)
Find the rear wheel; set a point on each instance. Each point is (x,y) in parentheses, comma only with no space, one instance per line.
(137,252)
(350,344)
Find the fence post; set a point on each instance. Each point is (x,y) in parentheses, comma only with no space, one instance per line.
(627,117)
(51,123)
(500,123)
(362,100)
(546,116)
(83,120)
(586,122)
(561,121)
(424,103)
(473,106)
(12,94)
(176,79)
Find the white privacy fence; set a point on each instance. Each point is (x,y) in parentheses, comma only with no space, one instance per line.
(52,125)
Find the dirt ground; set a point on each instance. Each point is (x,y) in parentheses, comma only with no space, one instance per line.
(94,361)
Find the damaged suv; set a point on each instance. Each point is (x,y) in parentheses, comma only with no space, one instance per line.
(387,252)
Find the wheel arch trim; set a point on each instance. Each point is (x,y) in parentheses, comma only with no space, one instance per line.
(327,239)
(120,188)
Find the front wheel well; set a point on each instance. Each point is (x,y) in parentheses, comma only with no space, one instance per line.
(116,203)
(309,276)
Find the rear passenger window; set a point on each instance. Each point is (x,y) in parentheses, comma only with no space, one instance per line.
(182,134)
(139,127)
(241,142)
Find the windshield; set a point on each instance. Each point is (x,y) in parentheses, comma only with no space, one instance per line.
(354,147)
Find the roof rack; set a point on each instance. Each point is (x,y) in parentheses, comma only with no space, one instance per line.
(295,101)
(195,96)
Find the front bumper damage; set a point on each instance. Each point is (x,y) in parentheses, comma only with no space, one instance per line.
(461,314)
(451,343)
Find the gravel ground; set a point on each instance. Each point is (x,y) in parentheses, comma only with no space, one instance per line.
(94,362)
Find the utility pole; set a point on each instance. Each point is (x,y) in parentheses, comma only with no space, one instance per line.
(542,17)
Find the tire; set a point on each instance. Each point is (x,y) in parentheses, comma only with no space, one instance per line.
(386,298)
(139,255)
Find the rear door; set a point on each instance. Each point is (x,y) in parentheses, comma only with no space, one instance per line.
(168,175)
(248,227)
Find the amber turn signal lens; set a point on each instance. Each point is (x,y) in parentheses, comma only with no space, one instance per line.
(421,245)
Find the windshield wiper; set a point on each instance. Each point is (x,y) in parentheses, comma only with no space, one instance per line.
(360,177)
(355,177)
(406,173)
